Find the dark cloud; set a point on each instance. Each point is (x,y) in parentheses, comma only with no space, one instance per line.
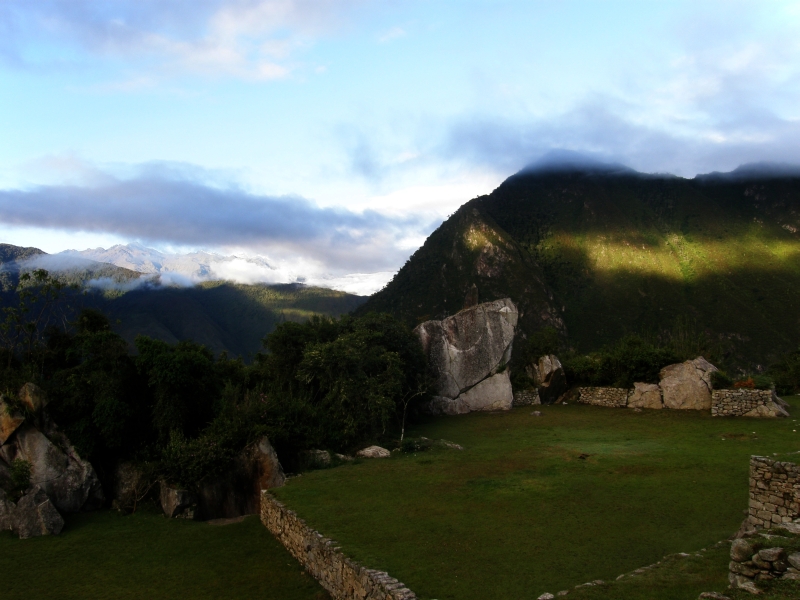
(161,205)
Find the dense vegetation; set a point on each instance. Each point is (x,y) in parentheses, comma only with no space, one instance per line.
(223,316)
(602,254)
(184,412)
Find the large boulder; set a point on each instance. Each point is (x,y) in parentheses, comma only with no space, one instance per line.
(645,395)
(467,354)
(69,481)
(10,420)
(238,492)
(550,379)
(687,385)
(177,503)
(35,515)
(6,512)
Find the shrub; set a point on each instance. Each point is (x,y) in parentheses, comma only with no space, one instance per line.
(20,478)
(720,380)
(745,384)
(762,382)
(786,374)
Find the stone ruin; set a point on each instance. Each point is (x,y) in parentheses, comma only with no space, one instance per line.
(468,354)
(687,386)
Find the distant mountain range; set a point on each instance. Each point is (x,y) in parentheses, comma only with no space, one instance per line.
(597,250)
(225,316)
(196,267)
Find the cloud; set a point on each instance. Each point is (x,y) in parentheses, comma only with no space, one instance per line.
(167,204)
(249,39)
(508,145)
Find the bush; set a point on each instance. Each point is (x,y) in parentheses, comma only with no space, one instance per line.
(720,380)
(748,384)
(631,359)
(786,374)
(20,478)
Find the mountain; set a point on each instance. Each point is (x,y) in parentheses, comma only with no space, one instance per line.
(598,251)
(225,316)
(196,267)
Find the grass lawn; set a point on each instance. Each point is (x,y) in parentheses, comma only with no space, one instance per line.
(107,555)
(518,512)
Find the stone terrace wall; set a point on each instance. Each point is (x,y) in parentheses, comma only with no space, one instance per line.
(774,491)
(344,579)
(604,396)
(526,398)
(735,403)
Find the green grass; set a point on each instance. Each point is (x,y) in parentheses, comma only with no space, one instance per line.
(108,555)
(518,513)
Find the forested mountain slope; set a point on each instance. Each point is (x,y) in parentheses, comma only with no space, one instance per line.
(609,251)
(224,316)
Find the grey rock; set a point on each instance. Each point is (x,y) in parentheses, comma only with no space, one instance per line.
(69,481)
(33,397)
(321,458)
(645,395)
(9,421)
(771,554)
(493,393)
(373,452)
(546,596)
(743,583)
(794,560)
(238,492)
(34,515)
(6,512)
(712,596)
(468,350)
(770,410)
(550,379)
(177,503)
(741,550)
(791,576)
(687,385)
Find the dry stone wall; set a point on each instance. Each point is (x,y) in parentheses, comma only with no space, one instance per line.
(604,396)
(526,398)
(344,578)
(745,403)
(774,491)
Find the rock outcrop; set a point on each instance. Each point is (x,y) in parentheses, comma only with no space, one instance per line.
(69,481)
(236,493)
(549,377)
(468,354)
(32,516)
(177,503)
(687,385)
(645,395)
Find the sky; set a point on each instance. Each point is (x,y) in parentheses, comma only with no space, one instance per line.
(337,134)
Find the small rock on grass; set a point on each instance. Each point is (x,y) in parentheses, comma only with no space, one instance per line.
(712,596)
(546,596)
(374,452)
(537,413)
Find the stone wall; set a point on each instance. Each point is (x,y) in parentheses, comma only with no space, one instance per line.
(526,398)
(774,491)
(745,403)
(604,396)
(753,560)
(344,579)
